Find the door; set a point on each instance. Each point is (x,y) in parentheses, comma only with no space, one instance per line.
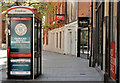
(69,42)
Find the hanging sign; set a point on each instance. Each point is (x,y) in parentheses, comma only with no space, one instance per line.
(60,17)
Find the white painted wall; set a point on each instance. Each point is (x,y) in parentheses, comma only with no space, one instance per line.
(70,46)
(68,39)
(52,41)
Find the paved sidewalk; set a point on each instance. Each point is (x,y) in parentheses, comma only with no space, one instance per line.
(3,58)
(59,67)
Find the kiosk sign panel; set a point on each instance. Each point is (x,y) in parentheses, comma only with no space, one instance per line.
(20,67)
(20,46)
(20,33)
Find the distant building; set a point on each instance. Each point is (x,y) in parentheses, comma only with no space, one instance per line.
(53,37)
(63,37)
(70,44)
(83,30)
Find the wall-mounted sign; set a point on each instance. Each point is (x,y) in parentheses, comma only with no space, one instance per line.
(60,16)
(113,61)
(83,22)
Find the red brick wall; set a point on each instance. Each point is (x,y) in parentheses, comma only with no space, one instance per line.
(51,18)
(3,31)
(84,9)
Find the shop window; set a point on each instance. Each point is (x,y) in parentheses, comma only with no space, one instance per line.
(39,36)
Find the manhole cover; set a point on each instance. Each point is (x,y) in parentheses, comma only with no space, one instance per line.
(82,74)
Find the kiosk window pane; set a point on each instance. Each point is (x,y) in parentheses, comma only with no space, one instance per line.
(35,36)
(39,36)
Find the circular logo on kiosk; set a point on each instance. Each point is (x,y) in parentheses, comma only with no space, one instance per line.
(20,29)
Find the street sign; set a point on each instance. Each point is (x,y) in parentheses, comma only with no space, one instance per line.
(83,22)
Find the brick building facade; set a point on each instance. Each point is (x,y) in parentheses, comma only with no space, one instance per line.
(62,38)
(49,34)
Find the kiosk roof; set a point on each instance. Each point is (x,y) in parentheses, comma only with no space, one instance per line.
(24,7)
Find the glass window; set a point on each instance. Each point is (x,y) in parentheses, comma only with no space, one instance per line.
(39,37)
(35,36)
